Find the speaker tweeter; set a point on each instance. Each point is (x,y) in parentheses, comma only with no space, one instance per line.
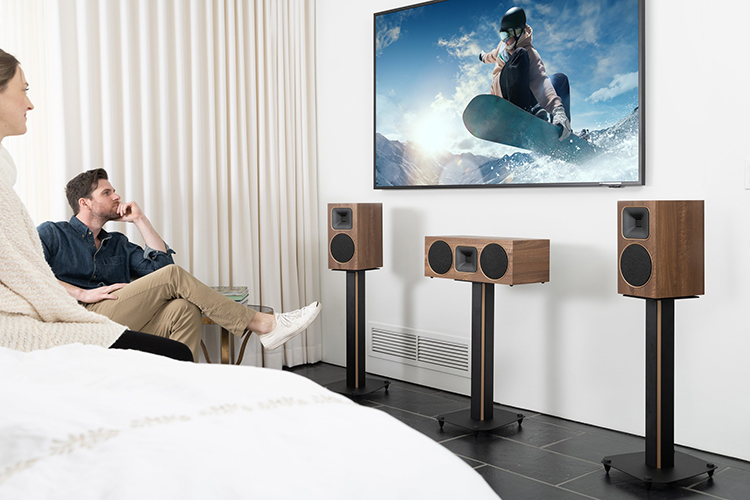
(466,259)
(635,223)
(341,218)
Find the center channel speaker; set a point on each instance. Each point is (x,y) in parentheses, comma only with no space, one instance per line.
(507,261)
(660,248)
(355,236)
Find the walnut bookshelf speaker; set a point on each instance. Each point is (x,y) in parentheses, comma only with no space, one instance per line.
(355,236)
(506,261)
(660,248)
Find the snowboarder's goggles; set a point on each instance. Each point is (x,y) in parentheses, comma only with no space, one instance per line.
(513,32)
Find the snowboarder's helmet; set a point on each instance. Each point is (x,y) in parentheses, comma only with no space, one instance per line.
(514,18)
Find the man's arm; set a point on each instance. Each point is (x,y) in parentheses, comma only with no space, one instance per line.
(93,295)
(48,236)
(131,212)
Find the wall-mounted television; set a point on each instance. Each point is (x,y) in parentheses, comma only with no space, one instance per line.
(462,94)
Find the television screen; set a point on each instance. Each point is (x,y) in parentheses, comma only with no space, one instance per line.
(479,93)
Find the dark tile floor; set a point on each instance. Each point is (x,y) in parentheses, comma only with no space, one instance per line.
(545,458)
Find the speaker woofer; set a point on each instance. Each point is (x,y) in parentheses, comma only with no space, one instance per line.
(494,261)
(635,265)
(342,248)
(440,257)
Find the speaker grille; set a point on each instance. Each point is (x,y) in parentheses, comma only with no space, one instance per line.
(635,265)
(342,248)
(494,261)
(440,257)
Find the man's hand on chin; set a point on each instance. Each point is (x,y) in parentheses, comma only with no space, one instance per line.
(128,212)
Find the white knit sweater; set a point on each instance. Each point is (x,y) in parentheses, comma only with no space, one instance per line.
(35,310)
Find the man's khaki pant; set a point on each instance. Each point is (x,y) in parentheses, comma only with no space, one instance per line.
(169,302)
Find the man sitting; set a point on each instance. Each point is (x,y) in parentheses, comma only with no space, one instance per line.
(143,288)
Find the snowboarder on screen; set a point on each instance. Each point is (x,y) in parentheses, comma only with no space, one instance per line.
(520,76)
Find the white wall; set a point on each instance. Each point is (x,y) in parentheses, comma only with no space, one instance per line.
(573,347)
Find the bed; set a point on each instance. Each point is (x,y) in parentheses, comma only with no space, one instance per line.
(82,422)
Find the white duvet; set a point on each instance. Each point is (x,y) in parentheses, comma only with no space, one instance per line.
(82,422)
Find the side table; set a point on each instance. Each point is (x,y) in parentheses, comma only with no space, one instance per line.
(227,339)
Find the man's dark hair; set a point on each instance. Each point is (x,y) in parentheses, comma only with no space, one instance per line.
(82,185)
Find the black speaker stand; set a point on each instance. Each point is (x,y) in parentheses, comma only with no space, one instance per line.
(482,416)
(659,464)
(356,383)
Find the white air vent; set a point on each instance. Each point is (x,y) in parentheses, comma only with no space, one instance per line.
(418,348)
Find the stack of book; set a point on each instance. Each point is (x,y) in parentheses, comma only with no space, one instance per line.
(236,293)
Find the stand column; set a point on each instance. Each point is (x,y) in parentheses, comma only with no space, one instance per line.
(482,350)
(660,463)
(482,416)
(355,328)
(660,383)
(356,383)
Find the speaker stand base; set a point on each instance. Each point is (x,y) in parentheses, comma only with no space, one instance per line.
(371,385)
(462,418)
(634,464)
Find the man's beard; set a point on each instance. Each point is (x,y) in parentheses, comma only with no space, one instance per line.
(108,215)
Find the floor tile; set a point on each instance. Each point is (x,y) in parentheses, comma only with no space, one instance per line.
(467,399)
(529,461)
(426,425)
(515,487)
(322,373)
(536,433)
(416,402)
(594,446)
(420,388)
(371,404)
(475,464)
(571,424)
(545,458)
(719,460)
(729,483)
(617,485)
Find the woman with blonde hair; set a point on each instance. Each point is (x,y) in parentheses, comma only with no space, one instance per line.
(35,310)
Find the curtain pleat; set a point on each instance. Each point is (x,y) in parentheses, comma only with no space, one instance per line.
(201,111)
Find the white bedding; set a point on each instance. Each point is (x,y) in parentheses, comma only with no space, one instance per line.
(82,422)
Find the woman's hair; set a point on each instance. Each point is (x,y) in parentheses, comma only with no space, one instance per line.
(8,65)
(82,185)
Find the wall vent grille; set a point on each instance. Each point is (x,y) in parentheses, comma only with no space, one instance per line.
(425,349)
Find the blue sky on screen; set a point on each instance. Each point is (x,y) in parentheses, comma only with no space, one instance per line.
(427,65)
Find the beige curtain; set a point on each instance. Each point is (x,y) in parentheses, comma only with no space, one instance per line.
(202,111)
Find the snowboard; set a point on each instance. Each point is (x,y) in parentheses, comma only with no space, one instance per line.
(492,118)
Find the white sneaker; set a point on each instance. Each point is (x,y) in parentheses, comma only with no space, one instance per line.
(290,324)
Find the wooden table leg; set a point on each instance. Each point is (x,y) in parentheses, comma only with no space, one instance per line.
(224,346)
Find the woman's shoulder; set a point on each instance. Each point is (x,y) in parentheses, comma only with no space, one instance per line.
(7,167)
